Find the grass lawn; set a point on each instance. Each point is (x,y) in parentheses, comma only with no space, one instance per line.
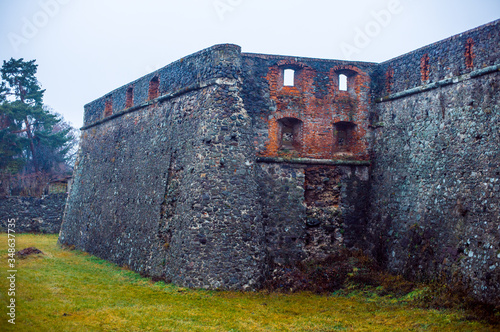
(72,291)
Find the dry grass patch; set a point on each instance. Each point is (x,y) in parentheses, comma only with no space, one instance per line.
(65,290)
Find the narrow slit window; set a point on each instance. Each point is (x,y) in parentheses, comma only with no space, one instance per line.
(289,77)
(129,97)
(108,107)
(342,82)
(154,88)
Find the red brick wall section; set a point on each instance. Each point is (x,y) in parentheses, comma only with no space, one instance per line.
(469,54)
(108,107)
(154,88)
(318,113)
(129,102)
(425,68)
(273,143)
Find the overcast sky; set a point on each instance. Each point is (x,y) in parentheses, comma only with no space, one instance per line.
(86,48)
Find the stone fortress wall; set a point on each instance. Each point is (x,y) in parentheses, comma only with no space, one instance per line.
(33,214)
(435,198)
(157,185)
(217,169)
(313,188)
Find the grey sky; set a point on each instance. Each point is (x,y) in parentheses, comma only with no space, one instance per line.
(86,48)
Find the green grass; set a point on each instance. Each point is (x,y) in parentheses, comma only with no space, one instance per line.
(73,291)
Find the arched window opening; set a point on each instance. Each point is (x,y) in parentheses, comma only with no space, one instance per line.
(342,82)
(289,77)
(129,101)
(154,88)
(290,129)
(108,107)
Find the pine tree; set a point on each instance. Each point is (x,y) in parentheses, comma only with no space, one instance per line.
(30,134)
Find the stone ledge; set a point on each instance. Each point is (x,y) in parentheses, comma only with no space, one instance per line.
(310,161)
(438,84)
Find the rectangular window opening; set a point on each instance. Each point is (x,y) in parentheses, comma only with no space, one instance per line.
(342,82)
(342,138)
(344,131)
(154,88)
(290,134)
(108,107)
(289,77)
(129,102)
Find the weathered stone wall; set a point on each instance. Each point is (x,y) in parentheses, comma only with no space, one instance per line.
(435,198)
(212,171)
(440,63)
(33,214)
(168,188)
(313,191)
(311,211)
(186,74)
(168,180)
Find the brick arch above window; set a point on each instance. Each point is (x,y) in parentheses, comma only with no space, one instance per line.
(278,74)
(352,76)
